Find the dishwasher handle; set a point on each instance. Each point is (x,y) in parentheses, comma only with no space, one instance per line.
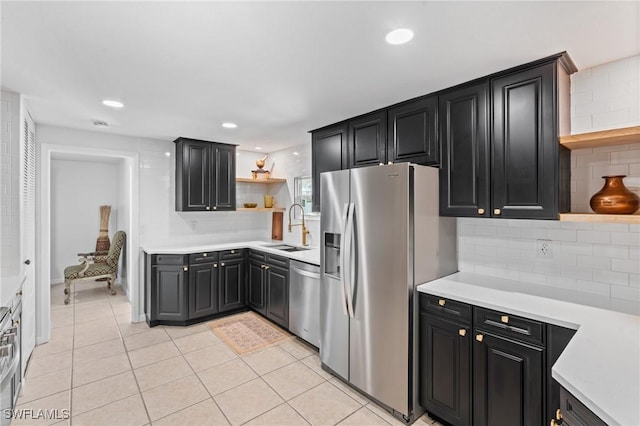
(306,273)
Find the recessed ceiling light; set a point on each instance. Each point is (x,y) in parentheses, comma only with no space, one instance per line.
(399,36)
(112,104)
(167,154)
(258,148)
(99,123)
(295,154)
(229,125)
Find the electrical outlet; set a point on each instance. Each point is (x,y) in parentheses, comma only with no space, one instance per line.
(545,249)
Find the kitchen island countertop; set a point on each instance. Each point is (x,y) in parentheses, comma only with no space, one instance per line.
(601,364)
(312,255)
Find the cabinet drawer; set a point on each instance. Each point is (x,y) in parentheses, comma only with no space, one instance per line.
(445,308)
(210,256)
(510,326)
(168,259)
(257,255)
(280,261)
(574,413)
(231,254)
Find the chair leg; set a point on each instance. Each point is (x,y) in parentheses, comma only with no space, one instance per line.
(111,280)
(67,291)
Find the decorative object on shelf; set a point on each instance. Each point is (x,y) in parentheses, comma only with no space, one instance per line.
(277,221)
(614,197)
(259,173)
(269,201)
(103,243)
(260,163)
(250,205)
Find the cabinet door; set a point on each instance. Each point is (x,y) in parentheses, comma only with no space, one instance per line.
(368,140)
(507,382)
(445,369)
(412,135)
(231,285)
(223,185)
(203,290)
(464,169)
(557,340)
(328,153)
(194,167)
(525,145)
(256,286)
(169,295)
(278,295)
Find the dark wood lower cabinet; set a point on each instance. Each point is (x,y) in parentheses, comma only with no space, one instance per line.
(278,295)
(231,285)
(203,289)
(168,297)
(507,385)
(445,369)
(256,287)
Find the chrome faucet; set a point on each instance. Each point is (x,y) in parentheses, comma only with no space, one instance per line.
(305,231)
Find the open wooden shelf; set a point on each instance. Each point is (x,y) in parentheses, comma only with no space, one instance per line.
(600,218)
(259,209)
(603,138)
(270,180)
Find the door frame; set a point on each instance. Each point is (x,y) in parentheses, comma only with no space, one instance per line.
(43,231)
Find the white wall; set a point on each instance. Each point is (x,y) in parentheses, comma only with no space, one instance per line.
(9,195)
(78,189)
(606,96)
(123,214)
(159,222)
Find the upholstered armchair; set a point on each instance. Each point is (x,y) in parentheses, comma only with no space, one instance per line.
(96,265)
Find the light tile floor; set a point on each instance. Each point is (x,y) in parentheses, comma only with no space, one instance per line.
(109,371)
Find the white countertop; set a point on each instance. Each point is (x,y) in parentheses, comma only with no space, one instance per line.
(601,364)
(308,256)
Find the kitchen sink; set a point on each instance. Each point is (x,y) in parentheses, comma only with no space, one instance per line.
(286,247)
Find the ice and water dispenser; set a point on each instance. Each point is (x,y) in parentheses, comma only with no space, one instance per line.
(332,255)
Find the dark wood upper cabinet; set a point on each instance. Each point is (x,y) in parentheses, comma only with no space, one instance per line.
(464,169)
(526,156)
(328,153)
(205,175)
(412,132)
(368,140)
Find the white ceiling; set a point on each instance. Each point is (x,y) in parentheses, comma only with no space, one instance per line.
(278,69)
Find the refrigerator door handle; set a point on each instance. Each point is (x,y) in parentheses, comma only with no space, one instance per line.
(352,267)
(343,247)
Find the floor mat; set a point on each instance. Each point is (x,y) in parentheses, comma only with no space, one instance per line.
(247,332)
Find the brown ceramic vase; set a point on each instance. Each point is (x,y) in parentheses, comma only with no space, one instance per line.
(614,198)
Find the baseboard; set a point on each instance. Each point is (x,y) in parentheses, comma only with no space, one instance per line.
(55,281)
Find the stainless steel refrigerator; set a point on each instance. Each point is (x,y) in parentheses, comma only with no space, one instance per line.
(381,237)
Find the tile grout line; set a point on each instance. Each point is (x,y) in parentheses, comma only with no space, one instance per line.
(135,378)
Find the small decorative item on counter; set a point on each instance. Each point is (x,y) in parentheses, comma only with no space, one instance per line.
(614,197)
(250,205)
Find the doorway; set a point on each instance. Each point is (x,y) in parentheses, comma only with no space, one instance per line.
(126,218)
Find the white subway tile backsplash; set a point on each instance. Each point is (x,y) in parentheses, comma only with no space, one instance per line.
(533,278)
(625,238)
(561,282)
(508,232)
(563,235)
(609,277)
(627,293)
(597,237)
(634,280)
(619,252)
(593,288)
(631,266)
(594,262)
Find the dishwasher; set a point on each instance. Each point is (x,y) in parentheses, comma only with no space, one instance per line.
(304,301)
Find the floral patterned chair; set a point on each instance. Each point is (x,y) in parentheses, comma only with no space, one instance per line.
(96,265)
